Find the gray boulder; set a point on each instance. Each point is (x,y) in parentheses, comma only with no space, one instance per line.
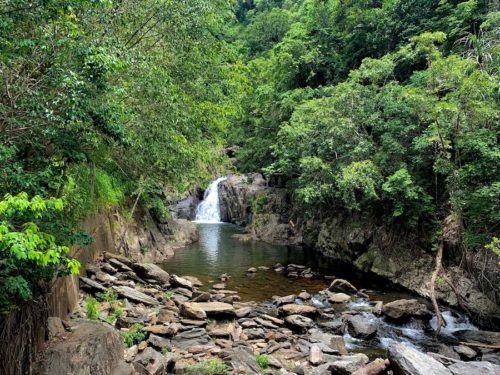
(408,361)
(152,271)
(361,326)
(92,348)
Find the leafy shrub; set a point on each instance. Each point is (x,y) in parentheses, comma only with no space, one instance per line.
(92,307)
(28,255)
(263,361)
(134,335)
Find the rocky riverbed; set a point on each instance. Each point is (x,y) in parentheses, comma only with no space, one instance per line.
(173,324)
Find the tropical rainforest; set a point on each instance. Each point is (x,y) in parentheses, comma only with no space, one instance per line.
(383,107)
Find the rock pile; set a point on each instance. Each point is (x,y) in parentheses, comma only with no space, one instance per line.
(172,324)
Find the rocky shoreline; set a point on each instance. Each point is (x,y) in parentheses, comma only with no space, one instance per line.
(173,324)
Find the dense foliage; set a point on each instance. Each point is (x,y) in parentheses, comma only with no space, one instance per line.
(104,102)
(382,107)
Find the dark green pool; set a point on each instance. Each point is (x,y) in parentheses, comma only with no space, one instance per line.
(218,252)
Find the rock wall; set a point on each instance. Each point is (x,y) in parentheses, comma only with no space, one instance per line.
(142,239)
(403,257)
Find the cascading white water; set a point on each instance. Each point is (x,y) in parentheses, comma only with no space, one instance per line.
(208,211)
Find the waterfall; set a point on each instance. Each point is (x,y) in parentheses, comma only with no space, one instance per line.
(208,211)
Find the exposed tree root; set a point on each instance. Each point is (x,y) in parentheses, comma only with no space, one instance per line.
(439,266)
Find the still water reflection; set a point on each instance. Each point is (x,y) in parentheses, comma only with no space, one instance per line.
(218,252)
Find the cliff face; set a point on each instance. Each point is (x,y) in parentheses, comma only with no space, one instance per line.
(403,257)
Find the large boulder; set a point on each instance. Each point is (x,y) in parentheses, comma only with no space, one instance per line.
(92,348)
(361,326)
(408,361)
(404,309)
(341,285)
(152,271)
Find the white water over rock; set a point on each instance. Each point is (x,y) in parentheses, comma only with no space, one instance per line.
(454,322)
(208,211)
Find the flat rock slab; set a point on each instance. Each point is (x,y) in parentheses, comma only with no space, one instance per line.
(194,337)
(294,309)
(135,295)
(216,308)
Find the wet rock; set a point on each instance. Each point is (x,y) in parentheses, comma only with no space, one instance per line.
(92,348)
(263,268)
(339,298)
(294,309)
(404,309)
(465,351)
(192,310)
(285,300)
(216,308)
(179,281)
(252,270)
(408,361)
(152,271)
(315,355)
(55,327)
(485,337)
(219,286)
(299,321)
(135,295)
(361,327)
(341,285)
(151,362)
